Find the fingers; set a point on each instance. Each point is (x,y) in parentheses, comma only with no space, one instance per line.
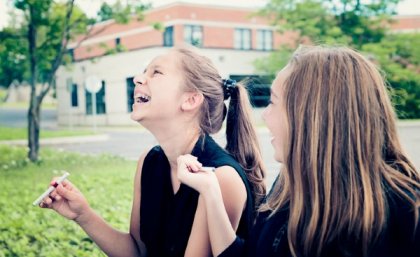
(47,202)
(65,183)
(60,192)
(190,162)
(67,192)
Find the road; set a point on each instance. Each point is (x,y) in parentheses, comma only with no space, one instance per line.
(17,118)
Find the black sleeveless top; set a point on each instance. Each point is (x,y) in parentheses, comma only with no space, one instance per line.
(167,218)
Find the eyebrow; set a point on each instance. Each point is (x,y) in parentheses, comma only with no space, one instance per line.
(152,67)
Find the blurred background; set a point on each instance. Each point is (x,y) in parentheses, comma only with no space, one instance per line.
(66,70)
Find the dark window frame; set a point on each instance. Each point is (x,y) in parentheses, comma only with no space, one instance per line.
(243,44)
(168,36)
(100,101)
(262,40)
(190,38)
(130,93)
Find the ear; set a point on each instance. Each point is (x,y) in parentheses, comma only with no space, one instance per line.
(192,100)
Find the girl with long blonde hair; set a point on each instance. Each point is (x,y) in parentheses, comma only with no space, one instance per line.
(346,188)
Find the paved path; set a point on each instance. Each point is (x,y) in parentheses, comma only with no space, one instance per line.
(131,143)
(17,118)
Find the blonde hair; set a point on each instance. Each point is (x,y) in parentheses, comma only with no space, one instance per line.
(242,142)
(342,154)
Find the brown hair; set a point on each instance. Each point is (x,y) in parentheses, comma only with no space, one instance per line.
(242,141)
(342,154)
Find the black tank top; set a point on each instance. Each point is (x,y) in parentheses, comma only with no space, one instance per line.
(167,218)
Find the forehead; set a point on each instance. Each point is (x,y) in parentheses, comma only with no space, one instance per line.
(167,61)
(281,77)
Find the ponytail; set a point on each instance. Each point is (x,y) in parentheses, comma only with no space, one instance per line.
(241,137)
(201,75)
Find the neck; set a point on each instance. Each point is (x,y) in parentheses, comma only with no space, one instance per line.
(177,141)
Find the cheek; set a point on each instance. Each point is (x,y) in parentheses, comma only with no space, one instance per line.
(266,115)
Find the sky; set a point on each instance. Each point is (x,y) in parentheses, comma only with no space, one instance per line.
(406,7)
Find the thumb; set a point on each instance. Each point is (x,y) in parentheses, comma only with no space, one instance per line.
(67,194)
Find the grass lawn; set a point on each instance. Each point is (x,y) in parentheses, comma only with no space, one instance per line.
(25,105)
(25,230)
(8,133)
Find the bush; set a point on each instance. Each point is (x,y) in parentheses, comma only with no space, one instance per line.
(25,230)
(398,55)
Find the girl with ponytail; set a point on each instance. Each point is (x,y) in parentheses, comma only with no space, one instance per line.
(180,99)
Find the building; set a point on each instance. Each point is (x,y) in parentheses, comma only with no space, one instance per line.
(229,36)
(406,24)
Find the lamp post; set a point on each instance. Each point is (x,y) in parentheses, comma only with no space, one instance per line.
(93,84)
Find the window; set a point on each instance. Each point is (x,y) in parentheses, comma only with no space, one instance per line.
(265,40)
(73,93)
(71,54)
(100,101)
(130,94)
(193,34)
(72,89)
(242,39)
(117,41)
(168,36)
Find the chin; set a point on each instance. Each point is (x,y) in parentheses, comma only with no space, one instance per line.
(136,117)
(278,158)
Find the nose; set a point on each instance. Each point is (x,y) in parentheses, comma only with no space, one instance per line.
(139,80)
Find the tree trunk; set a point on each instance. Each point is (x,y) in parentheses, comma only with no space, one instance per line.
(34,106)
(33,131)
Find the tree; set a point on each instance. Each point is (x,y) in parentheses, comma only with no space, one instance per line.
(13,62)
(399,57)
(49,27)
(122,13)
(363,25)
(354,22)
(46,30)
(105,12)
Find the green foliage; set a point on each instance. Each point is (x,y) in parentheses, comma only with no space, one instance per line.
(159,26)
(105,12)
(122,13)
(13,61)
(112,50)
(25,230)
(7,133)
(309,17)
(3,94)
(275,61)
(363,25)
(48,20)
(346,21)
(399,57)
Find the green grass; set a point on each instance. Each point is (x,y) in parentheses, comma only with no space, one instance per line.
(25,230)
(3,93)
(25,105)
(7,133)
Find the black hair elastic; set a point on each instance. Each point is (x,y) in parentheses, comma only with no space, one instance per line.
(228,86)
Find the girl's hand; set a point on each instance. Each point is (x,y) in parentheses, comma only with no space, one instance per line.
(190,172)
(67,200)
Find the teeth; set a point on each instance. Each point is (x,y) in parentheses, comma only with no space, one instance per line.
(140,98)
